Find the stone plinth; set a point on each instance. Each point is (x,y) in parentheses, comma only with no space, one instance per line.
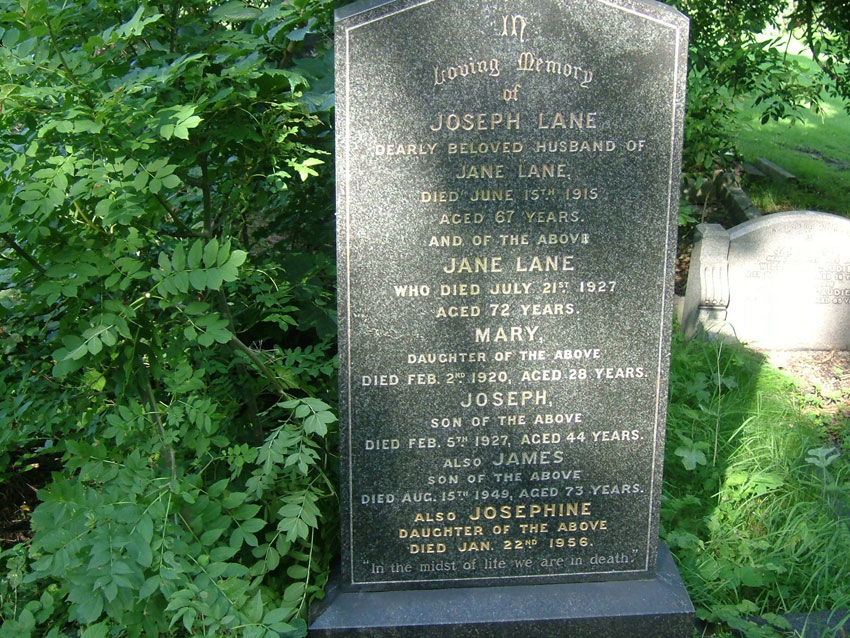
(656,608)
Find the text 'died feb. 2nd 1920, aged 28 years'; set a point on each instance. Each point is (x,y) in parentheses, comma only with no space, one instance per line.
(507,197)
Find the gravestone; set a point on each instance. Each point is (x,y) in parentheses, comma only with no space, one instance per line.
(507,201)
(780,282)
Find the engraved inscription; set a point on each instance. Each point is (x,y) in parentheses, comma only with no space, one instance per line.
(505,212)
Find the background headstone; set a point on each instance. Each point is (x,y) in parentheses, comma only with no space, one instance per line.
(507,181)
(780,282)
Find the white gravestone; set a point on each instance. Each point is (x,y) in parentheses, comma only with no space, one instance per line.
(780,282)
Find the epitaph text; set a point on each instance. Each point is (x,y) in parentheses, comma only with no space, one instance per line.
(507,208)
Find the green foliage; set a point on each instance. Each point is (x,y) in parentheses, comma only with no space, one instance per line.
(754,500)
(166,271)
(687,216)
(815,149)
(731,58)
(824,28)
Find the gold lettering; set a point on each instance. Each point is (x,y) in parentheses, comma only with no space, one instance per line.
(529,62)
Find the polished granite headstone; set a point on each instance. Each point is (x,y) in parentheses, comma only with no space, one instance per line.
(507,202)
(655,608)
(779,282)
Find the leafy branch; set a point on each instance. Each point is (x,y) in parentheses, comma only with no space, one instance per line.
(22,253)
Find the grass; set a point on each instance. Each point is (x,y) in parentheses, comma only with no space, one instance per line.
(816,150)
(756,503)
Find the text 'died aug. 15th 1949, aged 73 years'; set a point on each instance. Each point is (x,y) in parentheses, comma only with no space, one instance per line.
(507,177)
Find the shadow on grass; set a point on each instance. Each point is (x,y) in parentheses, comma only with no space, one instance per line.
(754,522)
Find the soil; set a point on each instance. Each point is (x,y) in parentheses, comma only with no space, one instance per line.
(824,381)
(683,264)
(19,496)
(818,155)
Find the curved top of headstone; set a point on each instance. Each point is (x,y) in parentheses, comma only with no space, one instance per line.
(779,282)
(824,221)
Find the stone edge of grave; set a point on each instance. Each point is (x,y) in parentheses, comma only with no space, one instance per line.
(736,200)
(774,171)
(738,203)
(730,194)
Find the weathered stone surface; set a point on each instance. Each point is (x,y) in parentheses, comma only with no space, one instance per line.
(740,205)
(508,176)
(658,607)
(779,282)
(775,171)
(752,170)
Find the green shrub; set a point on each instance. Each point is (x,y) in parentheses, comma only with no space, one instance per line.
(732,59)
(168,315)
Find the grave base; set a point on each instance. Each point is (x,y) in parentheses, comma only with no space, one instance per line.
(659,608)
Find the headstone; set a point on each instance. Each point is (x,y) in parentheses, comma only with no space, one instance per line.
(738,203)
(780,282)
(507,179)
(775,171)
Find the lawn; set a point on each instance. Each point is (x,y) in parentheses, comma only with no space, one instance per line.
(816,149)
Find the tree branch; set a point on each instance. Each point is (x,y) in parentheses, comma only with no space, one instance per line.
(169,450)
(175,7)
(182,235)
(809,13)
(247,391)
(67,68)
(253,412)
(261,366)
(171,213)
(217,222)
(205,194)
(23,253)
